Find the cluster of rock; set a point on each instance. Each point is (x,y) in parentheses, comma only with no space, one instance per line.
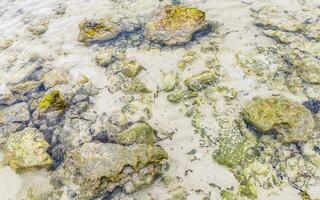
(169,25)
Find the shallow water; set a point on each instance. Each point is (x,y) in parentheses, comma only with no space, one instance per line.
(59,48)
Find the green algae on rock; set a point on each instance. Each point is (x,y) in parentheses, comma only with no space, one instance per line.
(137,133)
(131,68)
(98,30)
(201,81)
(26,149)
(175,24)
(98,168)
(289,119)
(52,101)
(176,97)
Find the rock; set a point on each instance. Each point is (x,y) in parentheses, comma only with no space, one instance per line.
(135,86)
(25,87)
(312,31)
(26,149)
(104,57)
(5,43)
(175,24)
(98,168)
(292,121)
(17,113)
(178,96)
(131,68)
(137,133)
(52,101)
(98,30)
(201,81)
(60,8)
(170,81)
(188,58)
(275,17)
(313,105)
(308,67)
(39,26)
(55,77)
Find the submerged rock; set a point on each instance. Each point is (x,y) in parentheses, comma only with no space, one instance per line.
(136,134)
(98,30)
(104,57)
(201,81)
(131,68)
(39,26)
(175,24)
(17,113)
(52,101)
(170,81)
(289,119)
(135,86)
(99,168)
(26,149)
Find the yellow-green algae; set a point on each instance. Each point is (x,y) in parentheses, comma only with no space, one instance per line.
(97,29)
(139,132)
(201,81)
(52,101)
(291,120)
(170,81)
(177,17)
(26,150)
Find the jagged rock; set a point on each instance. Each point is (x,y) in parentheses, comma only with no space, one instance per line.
(17,113)
(52,101)
(292,121)
(26,149)
(137,133)
(25,87)
(98,168)
(55,77)
(98,30)
(131,68)
(175,24)
(201,81)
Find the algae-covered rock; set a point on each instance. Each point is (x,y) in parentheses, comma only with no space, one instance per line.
(308,67)
(55,77)
(137,133)
(98,168)
(175,24)
(52,101)
(104,57)
(289,119)
(17,113)
(96,30)
(26,149)
(201,81)
(178,96)
(25,87)
(131,68)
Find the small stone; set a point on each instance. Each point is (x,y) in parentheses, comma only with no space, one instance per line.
(60,8)
(25,87)
(201,81)
(136,134)
(170,81)
(5,43)
(175,24)
(104,57)
(313,105)
(55,77)
(39,26)
(52,101)
(98,30)
(292,121)
(17,113)
(135,86)
(26,150)
(131,68)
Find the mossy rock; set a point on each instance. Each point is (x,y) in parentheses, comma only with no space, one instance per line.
(26,150)
(135,86)
(137,133)
(175,24)
(52,101)
(292,121)
(96,30)
(170,81)
(201,81)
